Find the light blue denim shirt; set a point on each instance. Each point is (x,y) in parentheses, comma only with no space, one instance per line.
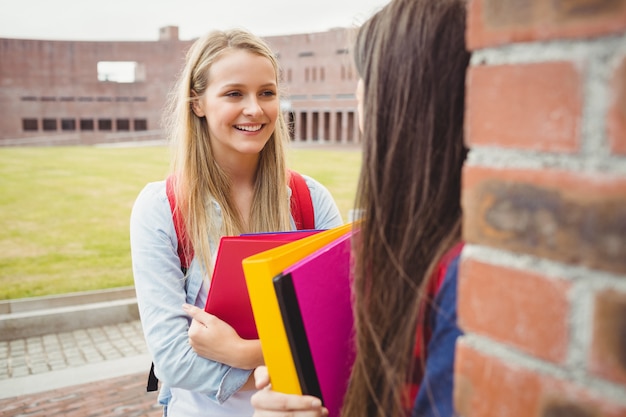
(162,289)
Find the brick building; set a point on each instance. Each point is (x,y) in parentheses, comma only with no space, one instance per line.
(68,92)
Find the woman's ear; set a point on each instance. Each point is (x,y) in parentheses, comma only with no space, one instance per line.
(195,104)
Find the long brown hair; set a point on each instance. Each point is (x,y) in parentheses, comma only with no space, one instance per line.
(412,58)
(198,177)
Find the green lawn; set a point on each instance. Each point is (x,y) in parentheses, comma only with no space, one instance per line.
(64,211)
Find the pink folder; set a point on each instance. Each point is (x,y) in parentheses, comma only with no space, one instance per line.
(228,294)
(314,295)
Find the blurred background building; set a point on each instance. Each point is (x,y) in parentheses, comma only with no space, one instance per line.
(85,92)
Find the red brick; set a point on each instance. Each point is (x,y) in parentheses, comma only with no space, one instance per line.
(495,22)
(516,307)
(617,111)
(577,218)
(488,387)
(608,347)
(531,106)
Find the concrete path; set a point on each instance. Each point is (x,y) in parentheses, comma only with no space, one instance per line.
(99,370)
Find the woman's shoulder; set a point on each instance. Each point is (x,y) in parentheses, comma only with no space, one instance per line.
(311,182)
(446,269)
(151,198)
(327,213)
(153,191)
(316,188)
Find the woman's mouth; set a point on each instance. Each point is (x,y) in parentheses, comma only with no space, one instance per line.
(249,128)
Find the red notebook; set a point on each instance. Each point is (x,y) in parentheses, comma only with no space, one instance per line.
(228,294)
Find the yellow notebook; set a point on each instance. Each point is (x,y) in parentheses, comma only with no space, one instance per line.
(260,270)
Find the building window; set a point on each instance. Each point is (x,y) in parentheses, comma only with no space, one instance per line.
(86,124)
(28,98)
(140,124)
(30,125)
(142,99)
(289,75)
(305,54)
(121,71)
(67,98)
(122,124)
(49,124)
(322,74)
(314,74)
(105,124)
(85,98)
(343,72)
(68,124)
(48,99)
(306,75)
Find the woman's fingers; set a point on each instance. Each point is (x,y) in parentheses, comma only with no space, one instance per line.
(269,403)
(261,377)
(197,313)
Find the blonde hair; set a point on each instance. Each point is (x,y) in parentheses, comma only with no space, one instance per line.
(198,177)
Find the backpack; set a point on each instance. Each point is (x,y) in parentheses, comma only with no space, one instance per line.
(301,211)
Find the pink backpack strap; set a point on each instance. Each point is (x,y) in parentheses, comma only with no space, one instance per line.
(185,251)
(301,210)
(301,203)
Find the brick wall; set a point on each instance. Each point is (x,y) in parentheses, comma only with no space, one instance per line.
(542,290)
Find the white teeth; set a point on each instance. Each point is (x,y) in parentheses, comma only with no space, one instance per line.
(249,128)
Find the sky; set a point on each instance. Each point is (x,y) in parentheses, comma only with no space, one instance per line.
(140,20)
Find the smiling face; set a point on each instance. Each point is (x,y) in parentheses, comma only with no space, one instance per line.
(240,105)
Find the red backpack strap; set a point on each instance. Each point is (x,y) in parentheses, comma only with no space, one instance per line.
(185,251)
(301,210)
(424,331)
(301,203)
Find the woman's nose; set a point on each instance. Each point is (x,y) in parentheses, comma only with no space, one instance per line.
(253,108)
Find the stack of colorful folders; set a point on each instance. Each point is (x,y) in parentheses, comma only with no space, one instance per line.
(228,294)
(300,294)
(291,290)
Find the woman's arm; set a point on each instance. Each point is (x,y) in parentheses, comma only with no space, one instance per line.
(214,339)
(161,291)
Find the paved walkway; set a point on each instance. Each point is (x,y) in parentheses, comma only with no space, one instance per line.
(84,373)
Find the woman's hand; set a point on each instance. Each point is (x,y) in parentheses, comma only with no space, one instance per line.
(274,404)
(214,339)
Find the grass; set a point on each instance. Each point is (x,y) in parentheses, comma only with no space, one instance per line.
(64,211)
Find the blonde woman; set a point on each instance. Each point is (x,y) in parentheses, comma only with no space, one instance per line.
(230,174)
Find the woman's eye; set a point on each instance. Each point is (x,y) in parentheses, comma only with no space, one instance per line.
(233,94)
(268,93)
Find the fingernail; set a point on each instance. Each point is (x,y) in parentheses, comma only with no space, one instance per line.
(186,307)
(316,402)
